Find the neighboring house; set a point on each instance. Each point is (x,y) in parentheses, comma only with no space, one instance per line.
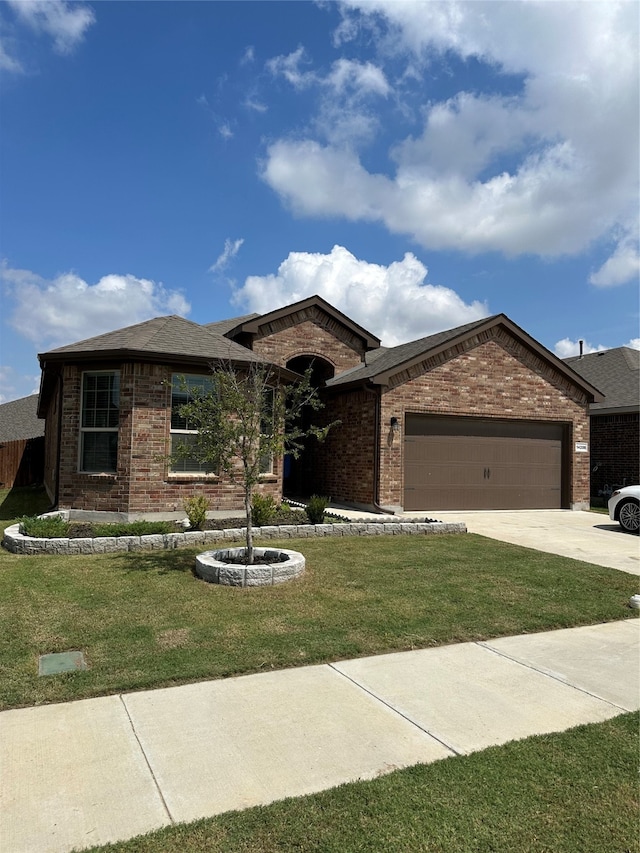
(21,443)
(481,416)
(615,421)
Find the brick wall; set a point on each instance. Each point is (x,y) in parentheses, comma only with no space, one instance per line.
(343,465)
(615,443)
(51,446)
(489,376)
(142,482)
(310,337)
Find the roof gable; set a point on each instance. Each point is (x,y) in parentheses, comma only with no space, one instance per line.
(263,325)
(399,360)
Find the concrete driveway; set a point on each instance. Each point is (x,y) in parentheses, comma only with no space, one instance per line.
(588,536)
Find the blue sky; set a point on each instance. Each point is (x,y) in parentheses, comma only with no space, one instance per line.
(419,165)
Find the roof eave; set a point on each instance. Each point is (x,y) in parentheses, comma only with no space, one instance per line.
(614,410)
(145,356)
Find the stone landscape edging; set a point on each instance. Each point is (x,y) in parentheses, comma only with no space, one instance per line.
(18,543)
(220,567)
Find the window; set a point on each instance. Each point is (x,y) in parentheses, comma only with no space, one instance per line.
(183,390)
(100,415)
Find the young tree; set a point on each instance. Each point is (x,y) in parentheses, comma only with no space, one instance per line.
(246,418)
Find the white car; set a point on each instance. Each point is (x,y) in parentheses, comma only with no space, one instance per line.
(624,507)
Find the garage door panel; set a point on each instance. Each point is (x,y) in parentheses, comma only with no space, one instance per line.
(521,468)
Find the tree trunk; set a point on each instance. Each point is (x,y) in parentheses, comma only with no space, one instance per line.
(247,509)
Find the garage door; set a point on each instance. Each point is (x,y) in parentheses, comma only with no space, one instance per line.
(468,463)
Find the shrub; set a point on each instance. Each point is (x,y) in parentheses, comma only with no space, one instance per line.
(263,510)
(316,507)
(51,527)
(196,508)
(132,528)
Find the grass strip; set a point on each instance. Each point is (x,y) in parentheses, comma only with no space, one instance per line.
(561,793)
(143,620)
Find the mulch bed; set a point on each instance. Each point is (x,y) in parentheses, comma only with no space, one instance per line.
(85,529)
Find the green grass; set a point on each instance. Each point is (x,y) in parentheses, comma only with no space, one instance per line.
(143,620)
(574,792)
(25,500)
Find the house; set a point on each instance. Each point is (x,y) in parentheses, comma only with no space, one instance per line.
(481,416)
(615,421)
(21,443)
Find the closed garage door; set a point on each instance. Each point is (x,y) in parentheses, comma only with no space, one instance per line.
(468,463)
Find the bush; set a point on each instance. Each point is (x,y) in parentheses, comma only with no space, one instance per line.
(316,507)
(263,510)
(196,509)
(51,527)
(132,528)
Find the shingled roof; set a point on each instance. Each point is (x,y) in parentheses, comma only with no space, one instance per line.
(380,365)
(19,419)
(387,359)
(616,372)
(224,326)
(162,337)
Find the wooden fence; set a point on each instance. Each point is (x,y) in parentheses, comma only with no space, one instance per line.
(21,462)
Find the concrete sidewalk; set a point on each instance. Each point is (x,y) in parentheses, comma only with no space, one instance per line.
(88,772)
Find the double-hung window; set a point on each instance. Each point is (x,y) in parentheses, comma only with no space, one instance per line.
(99,420)
(183,390)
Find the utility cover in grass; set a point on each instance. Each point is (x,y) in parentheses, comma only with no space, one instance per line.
(61,662)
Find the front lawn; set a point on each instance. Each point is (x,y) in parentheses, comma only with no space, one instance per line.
(573,792)
(143,620)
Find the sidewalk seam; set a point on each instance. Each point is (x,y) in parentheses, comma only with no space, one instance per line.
(395,710)
(484,644)
(144,755)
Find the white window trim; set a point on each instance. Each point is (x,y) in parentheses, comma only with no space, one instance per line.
(171,473)
(83,430)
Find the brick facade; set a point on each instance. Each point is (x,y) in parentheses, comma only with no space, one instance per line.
(343,466)
(615,452)
(492,376)
(142,482)
(310,337)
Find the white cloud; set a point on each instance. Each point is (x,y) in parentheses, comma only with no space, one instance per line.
(248,56)
(622,266)
(65,23)
(256,105)
(547,170)
(14,385)
(344,114)
(359,77)
(567,348)
(393,302)
(8,62)
(231,249)
(289,68)
(66,309)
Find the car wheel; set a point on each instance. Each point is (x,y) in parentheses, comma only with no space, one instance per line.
(629,516)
